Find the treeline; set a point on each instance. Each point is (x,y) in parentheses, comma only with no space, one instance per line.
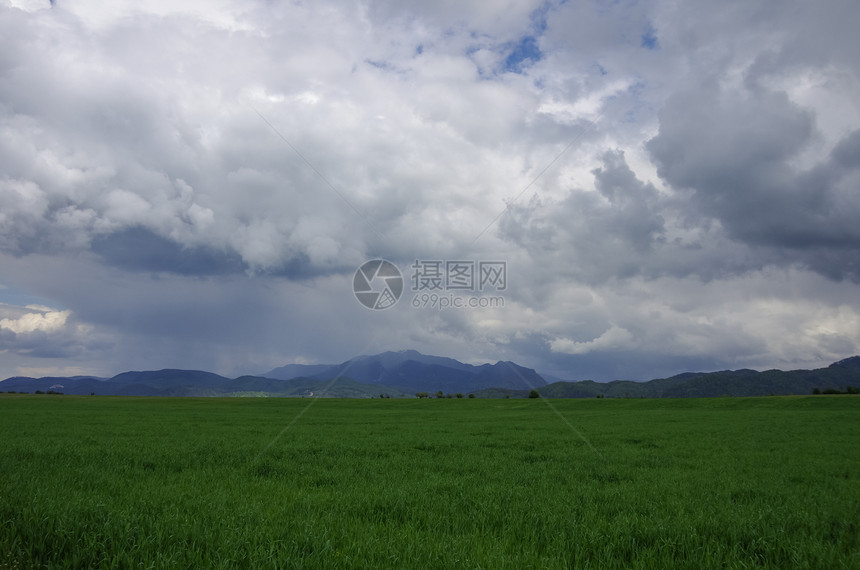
(441,394)
(847,390)
(36,392)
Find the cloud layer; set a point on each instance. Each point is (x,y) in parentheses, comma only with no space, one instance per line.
(672,186)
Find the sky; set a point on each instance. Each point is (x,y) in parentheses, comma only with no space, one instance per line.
(668,186)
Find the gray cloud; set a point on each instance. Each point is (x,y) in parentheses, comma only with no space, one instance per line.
(38,331)
(620,230)
(699,209)
(739,155)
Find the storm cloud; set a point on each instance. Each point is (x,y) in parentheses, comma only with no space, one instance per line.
(672,186)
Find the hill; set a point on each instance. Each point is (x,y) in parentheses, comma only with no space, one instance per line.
(171,382)
(744,382)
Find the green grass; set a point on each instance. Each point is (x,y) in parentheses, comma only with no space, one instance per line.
(100,482)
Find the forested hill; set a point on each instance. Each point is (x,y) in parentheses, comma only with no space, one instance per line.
(842,376)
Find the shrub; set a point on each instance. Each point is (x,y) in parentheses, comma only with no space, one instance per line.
(534,394)
(471,395)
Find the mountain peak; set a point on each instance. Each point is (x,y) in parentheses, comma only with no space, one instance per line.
(850,362)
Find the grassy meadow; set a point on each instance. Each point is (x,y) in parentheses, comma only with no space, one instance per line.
(110,482)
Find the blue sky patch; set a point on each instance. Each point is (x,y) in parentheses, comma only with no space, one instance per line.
(524,53)
(18,298)
(649,39)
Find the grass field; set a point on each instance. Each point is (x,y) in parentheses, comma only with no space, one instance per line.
(136,482)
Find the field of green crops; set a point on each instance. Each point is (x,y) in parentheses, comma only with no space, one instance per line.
(91,482)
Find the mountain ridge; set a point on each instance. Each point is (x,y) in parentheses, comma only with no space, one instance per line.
(405,373)
(411,371)
(744,382)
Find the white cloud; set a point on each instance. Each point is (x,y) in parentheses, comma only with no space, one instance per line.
(30,5)
(43,319)
(613,339)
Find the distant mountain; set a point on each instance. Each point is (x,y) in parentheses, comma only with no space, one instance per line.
(744,382)
(169,382)
(296,371)
(411,371)
(551,379)
(310,387)
(172,382)
(66,385)
(404,373)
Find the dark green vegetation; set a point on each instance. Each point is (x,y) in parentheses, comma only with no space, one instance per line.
(847,390)
(108,482)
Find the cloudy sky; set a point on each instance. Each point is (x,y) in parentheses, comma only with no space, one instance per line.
(672,185)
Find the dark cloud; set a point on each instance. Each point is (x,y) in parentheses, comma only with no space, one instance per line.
(619,231)
(738,155)
(628,365)
(139,249)
(39,345)
(847,153)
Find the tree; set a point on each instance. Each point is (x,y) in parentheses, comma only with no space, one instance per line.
(459,395)
(423,395)
(439,394)
(471,395)
(534,394)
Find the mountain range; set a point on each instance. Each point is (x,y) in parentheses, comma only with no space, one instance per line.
(412,372)
(839,376)
(405,373)
(390,374)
